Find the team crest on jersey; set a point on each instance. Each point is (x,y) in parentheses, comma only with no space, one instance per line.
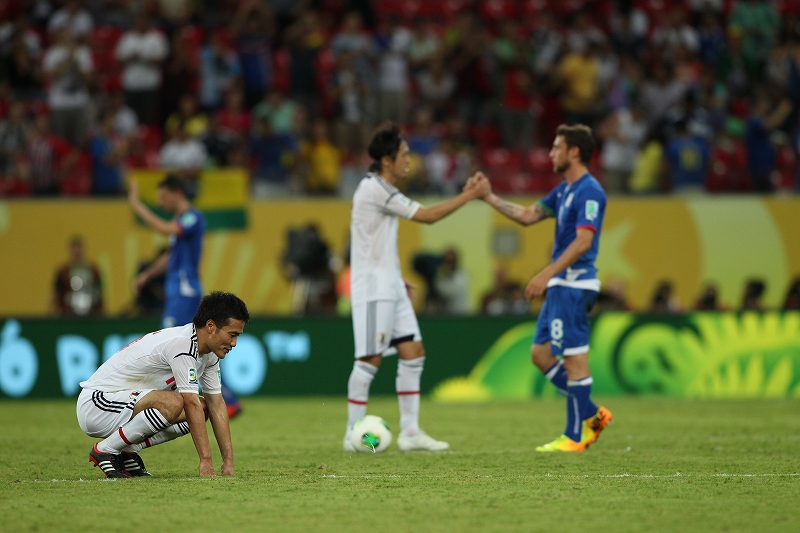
(193,376)
(188,219)
(592,209)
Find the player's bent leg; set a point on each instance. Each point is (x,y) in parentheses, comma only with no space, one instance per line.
(542,357)
(409,374)
(579,388)
(169,404)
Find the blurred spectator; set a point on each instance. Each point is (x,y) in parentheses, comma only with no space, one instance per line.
(68,68)
(647,169)
(466,59)
(673,33)
(321,161)
(709,300)
(436,87)
(272,156)
(182,152)
(125,120)
(354,39)
(20,52)
(582,33)
(77,290)
(447,168)
(142,51)
(220,71)
(393,80)
(760,153)
(179,75)
(452,285)
(14,134)
(628,26)
(175,13)
(623,134)
(108,152)
(423,139)
(233,116)
(711,38)
(48,159)
(349,90)
(753,292)
(546,42)
(516,118)
(189,115)
(504,298)
(612,297)
(686,160)
(278,109)
(220,143)
(661,92)
(307,261)
(424,45)
(578,77)
(664,301)
(792,300)
(305,38)
(72,17)
(251,30)
(757,20)
(150,296)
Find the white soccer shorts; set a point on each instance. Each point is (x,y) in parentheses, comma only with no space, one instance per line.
(102,413)
(380,325)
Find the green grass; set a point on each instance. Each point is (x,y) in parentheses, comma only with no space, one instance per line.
(664,465)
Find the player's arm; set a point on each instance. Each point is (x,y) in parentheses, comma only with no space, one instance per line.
(154,269)
(519,214)
(164,227)
(196,418)
(218,414)
(429,215)
(578,247)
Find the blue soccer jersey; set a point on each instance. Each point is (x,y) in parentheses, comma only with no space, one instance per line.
(576,206)
(183,277)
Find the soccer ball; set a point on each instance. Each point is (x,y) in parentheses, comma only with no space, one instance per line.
(371,434)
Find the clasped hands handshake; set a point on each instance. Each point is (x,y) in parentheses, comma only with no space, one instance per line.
(478,186)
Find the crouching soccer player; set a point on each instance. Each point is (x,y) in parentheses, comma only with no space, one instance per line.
(578,205)
(148,392)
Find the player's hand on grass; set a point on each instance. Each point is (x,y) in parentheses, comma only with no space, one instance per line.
(227,468)
(536,286)
(206,469)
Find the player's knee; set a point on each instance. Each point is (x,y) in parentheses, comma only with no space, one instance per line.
(541,357)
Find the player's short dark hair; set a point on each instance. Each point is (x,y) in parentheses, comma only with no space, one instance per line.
(220,307)
(581,136)
(173,183)
(386,140)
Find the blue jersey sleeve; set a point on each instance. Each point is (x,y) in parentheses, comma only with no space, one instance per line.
(189,223)
(591,208)
(549,201)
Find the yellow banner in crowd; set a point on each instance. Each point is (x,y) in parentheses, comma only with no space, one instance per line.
(724,240)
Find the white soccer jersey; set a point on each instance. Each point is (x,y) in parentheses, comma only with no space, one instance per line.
(375,265)
(164,360)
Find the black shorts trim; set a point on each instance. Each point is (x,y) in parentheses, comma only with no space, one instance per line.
(401,340)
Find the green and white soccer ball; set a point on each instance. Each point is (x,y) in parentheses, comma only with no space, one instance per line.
(371,434)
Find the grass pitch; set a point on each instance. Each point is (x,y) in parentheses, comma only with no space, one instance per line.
(664,465)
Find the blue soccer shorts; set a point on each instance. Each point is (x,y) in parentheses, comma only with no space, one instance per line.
(179,310)
(564,320)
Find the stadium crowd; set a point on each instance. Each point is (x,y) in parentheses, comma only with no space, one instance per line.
(686,95)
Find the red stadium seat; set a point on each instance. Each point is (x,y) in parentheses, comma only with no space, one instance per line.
(497,10)
(786,167)
(281,62)
(485,136)
(79,181)
(728,168)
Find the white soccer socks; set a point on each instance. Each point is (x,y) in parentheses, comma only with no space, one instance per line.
(358,391)
(172,432)
(409,374)
(146,424)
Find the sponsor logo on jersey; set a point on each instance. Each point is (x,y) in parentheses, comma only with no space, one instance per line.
(193,376)
(592,209)
(219,375)
(405,200)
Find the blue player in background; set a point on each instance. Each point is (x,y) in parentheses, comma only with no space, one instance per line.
(561,343)
(181,261)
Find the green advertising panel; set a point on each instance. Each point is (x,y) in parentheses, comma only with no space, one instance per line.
(700,355)
(468,358)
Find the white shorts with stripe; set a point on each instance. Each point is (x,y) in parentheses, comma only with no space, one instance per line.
(380,325)
(102,413)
